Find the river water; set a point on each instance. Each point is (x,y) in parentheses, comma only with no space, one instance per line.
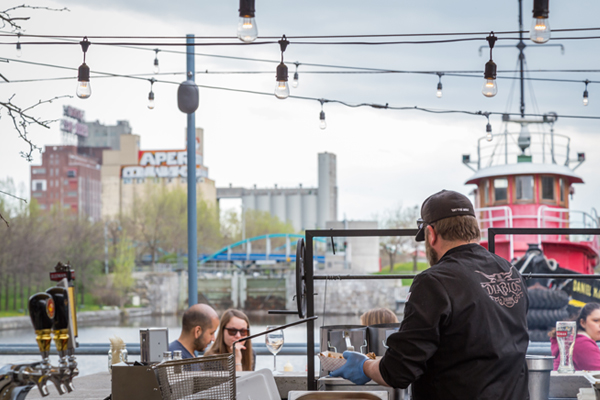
(128,330)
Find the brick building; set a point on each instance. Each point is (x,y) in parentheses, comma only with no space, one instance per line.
(69,178)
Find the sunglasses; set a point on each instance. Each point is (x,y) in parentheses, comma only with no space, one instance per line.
(233,331)
(421,224)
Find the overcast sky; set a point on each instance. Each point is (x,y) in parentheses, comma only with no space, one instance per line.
(385,158)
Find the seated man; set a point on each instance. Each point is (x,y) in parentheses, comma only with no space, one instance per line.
(199,324)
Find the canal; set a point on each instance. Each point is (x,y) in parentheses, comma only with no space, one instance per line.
(128,330)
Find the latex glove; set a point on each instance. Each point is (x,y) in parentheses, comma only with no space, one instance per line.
(353,369)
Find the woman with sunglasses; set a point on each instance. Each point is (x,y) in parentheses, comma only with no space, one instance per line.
(234,325)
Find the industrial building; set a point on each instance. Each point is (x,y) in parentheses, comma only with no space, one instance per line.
(304,208)
(129,173)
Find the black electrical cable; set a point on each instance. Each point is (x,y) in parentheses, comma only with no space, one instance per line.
(307,36)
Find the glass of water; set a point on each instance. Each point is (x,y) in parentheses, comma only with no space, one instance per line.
(565,336)
(274,342)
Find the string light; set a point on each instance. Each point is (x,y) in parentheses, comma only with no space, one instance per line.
(84,89)
(488,129)
(322,122)
(295,80)
(247,30)
(490,89)
(156,67)
(19,51)
(282,90)
(439,86)
(585,93)
(540,26)
(151,94)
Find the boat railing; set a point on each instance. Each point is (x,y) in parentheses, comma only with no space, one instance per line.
(489,215)
(552,217)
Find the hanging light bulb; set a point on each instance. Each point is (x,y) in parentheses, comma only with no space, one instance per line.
(585,93)
(151,95)
(488,129)
(490,89)
(322,122)
(295,80)
(247,30)
(282,90)
(439,86)
(156,67)
(84,90)
(19,51)
(540,26)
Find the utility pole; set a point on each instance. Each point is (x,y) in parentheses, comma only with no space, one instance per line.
(521,46)
(191,184)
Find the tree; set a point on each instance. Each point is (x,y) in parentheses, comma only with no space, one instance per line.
(400,218)
(124,265)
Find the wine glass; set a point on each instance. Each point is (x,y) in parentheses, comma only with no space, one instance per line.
(274,342)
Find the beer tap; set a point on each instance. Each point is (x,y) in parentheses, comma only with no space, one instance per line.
(41,311)
(60,329)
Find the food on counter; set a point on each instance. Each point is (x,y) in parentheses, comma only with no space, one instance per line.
(329,354)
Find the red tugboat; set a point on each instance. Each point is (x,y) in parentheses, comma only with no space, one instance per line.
(523,181)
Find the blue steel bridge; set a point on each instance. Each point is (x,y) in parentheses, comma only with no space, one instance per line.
(282,254)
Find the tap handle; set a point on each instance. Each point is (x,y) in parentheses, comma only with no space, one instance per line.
(41,311)
(61,302)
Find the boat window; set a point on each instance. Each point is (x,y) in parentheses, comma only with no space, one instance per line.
(547,188)
(500,189)
(562,184)
(524,185)
(486,192)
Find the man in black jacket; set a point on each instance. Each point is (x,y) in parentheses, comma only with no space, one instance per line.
(464,332)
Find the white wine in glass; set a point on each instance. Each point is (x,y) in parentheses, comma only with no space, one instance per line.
(274,342)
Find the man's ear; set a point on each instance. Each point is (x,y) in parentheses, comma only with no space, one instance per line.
(432,235)
(197,332)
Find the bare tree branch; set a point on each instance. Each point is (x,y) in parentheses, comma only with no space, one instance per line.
(22,120)
(12,195)
(7,19)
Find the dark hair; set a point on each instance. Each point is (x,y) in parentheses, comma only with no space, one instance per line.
(219,346)
(585,312)
(197,315)
(461,227)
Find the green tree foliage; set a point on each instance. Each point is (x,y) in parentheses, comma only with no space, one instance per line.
(393,247)
(124,266)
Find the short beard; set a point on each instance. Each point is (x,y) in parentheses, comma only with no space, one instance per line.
(199,345)
(432,255)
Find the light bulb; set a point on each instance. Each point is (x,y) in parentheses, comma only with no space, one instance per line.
(489,137)
(488,129)
(295,81)
(19,51)
(490,89)
(439,90)
(585,98)
(84,90)
(322,123)
(156,67)
(540,30)
(247,30)
(282,90)
(151,100)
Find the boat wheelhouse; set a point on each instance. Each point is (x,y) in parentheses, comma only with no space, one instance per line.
(525,180)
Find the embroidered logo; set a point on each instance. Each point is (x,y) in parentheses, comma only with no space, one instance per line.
(505,288)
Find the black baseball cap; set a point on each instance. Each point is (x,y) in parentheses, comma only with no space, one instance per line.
(444,204)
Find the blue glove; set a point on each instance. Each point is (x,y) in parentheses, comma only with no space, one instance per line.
(353,369)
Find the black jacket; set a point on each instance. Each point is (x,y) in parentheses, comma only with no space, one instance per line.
(464,333)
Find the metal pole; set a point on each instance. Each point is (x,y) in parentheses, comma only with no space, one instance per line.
(311,384)
(191,185)
(105,249)
(521,46)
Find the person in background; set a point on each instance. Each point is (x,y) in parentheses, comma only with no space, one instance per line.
(378,316)
(586,355)
(234,326)
(199,324)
